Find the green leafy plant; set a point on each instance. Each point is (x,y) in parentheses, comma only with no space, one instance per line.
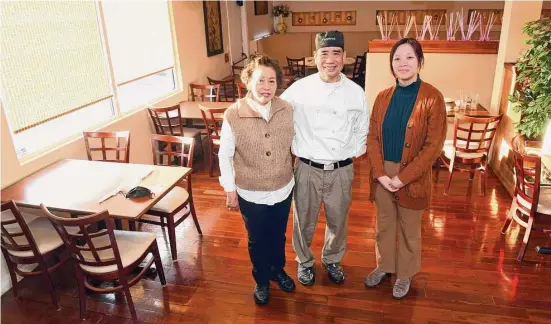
(281,10)
(533,96)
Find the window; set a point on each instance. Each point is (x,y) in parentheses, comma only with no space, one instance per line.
(70,66)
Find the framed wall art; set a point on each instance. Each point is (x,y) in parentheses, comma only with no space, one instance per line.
(260,8)
(213,27)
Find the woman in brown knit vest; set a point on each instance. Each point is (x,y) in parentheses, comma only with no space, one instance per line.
(256,171)
(406,134)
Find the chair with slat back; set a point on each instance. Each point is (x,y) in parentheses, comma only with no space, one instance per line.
(227,91)
(121,147)
(469,149)
(202,92)
(168,121)
(106,254)
(530,202)
(297,67)
(212,118)
(241,89)
(30,241)
(358,74)
(177,150)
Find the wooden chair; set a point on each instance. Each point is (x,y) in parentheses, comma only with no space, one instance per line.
(297,67)
(469,149)
(30,241)
(358,74)
(205,92)
(212,118)
(530,202)
(106,254)
(121,146)
(227,91)
(178,198)
(168,121)
(241,89)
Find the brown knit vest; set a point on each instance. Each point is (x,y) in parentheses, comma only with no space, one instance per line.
(262,159)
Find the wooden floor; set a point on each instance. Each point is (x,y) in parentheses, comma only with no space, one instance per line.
(469,271)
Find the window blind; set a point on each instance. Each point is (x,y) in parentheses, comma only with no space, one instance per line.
(139,37)
(51,60)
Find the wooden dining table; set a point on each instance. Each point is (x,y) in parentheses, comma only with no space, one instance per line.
(77,186)
(478,111)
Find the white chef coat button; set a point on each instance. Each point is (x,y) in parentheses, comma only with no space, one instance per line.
(333,149)
(333,132)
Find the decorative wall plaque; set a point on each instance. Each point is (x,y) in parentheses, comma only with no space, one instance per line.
(324,18)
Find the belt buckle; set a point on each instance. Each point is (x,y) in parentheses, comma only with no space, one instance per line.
(329,167)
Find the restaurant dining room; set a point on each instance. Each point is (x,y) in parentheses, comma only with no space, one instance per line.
(399,170)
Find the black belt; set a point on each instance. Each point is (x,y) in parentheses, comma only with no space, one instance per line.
(328,167)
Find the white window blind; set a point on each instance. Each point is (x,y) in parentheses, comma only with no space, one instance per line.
(139,37)
(51,60)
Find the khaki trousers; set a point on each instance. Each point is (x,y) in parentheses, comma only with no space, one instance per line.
(404,259)
(312,187)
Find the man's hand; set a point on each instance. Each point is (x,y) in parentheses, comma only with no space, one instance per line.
(231,201)
(386,182)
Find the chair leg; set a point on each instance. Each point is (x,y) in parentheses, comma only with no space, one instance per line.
(158,263)
(483,179)
(129,300)
(194,215)
(449,179)
(81,290)
(510,214)
(211,163)
(163,224)
(13,276)
(526,239)
(172,237)
(44,269)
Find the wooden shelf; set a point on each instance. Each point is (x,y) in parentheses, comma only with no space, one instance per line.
(441,46)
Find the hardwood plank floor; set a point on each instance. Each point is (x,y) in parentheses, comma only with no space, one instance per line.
(469,270)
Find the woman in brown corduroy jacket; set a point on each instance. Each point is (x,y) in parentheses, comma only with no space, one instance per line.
(406,134)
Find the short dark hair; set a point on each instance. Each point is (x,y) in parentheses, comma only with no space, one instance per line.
(417,48)
(257,60)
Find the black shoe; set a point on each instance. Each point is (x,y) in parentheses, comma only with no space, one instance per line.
(261,294)
(284,282)
(306,275)
(335,272)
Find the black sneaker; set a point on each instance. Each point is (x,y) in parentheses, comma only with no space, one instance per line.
(261,294)
(335,272)
(306,275)
(284,282)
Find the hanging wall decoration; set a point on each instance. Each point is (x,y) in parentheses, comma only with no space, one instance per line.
(213,27)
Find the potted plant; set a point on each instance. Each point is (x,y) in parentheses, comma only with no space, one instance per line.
(532,98)
(280,11)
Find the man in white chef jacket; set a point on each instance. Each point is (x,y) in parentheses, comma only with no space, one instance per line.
(331,122)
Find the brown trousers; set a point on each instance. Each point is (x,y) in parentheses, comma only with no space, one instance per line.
(404,259)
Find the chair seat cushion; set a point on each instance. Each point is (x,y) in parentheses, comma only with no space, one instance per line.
(44,235)
(172,200)
(544,202)
(448,151)
(131,246)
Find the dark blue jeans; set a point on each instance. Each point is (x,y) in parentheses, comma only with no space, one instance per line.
(266,226)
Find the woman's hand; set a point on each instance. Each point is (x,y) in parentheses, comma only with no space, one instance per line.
(386,182)
(396,183)
(231,201)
